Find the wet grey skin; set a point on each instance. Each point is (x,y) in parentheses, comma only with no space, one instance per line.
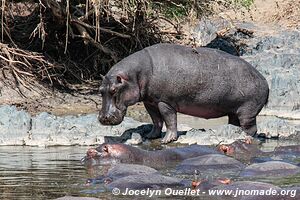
(122,153)
(169,78)
(271,169)
(242,151)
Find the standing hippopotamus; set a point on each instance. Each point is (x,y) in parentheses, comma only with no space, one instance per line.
(170,78)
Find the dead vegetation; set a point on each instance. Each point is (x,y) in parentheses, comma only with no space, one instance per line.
(62,43)
(66,43)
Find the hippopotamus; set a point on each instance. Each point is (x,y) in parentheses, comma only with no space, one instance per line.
(170,78)
(217,163)
(270,169)
(120,170)
(243,150)
(121,153)
(240,190)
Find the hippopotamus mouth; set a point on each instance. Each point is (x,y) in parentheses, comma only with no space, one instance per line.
(100,155)
(111,153)
(112,119)
(93,155)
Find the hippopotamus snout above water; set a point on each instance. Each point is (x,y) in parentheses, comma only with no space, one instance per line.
(170,78)
(121,153)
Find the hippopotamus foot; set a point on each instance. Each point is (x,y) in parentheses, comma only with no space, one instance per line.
(169,137)
(249,126)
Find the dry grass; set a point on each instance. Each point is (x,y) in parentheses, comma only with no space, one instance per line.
(287,12)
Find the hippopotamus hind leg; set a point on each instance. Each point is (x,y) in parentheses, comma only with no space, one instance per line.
(247,118)
(169,115)
(156,119)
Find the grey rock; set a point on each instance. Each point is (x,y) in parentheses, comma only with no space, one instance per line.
(270,168)
(226,134)
(207,29)
(273,51)
(51,130)
(277,128)
(213,162)
(14,125)
(17,127)
(135,139)
(277,57)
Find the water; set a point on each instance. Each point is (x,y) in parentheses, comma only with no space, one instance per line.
(49,173)
(41,173)
(52,172)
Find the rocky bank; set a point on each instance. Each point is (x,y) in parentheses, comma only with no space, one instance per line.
(18,127)
(273,51)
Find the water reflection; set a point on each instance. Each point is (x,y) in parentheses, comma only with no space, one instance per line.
(41,173)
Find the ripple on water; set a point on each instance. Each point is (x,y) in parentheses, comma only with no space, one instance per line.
(48,173)
(41,173)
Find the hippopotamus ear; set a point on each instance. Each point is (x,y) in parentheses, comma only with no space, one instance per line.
(122,78)
(102,77)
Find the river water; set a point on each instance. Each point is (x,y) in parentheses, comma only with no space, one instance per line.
(41,173)
(52,172)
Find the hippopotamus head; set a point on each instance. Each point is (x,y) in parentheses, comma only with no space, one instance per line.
(110,153)
(118,91)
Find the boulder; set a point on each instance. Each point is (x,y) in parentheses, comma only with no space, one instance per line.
(14,125)
(225,134)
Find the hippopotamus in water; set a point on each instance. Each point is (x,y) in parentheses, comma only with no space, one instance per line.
(243,150)
(271,169)
(171,78)
(241,189)
(122,153)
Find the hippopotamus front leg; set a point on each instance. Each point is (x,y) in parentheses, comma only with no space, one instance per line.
(156,119)
(169,115)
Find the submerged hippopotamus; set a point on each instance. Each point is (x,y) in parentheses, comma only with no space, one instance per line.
(244,150)
(122,153)
(170,78)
